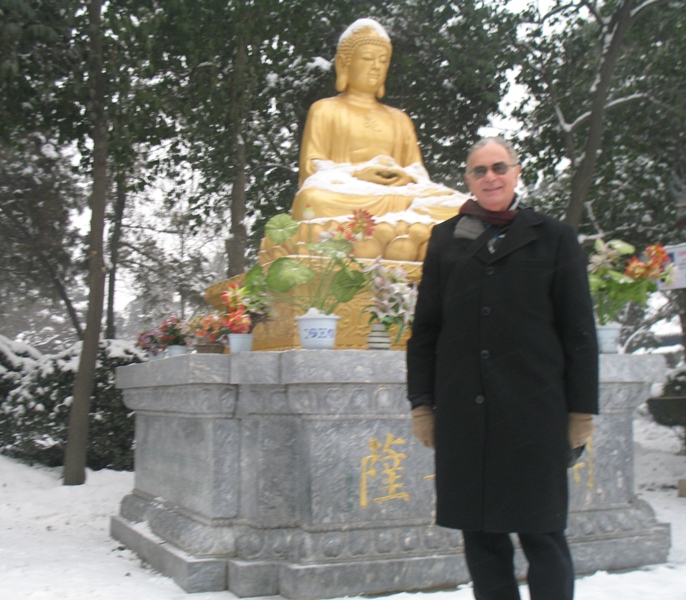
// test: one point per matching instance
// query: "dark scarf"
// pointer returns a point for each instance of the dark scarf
(499, 218)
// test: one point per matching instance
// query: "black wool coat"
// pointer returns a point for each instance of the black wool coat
(503, 344)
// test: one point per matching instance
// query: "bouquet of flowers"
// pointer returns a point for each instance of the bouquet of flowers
(150, 340)
(174, 332)
(616, 281)
(209, 328)
(393, 297)
(252, 299)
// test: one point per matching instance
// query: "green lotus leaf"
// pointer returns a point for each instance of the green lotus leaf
(285, 273)
(333, 248)
(346, 284)
(255, 279)
(281, 228)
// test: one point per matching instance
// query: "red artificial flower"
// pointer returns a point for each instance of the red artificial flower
(362, 223)
(238, 321)
(652, 268)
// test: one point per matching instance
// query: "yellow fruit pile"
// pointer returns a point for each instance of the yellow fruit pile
(401, 241)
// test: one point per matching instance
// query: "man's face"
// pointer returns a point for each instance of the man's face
(368, 67)
(492, 191)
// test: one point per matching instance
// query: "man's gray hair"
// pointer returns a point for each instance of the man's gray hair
(494, 140)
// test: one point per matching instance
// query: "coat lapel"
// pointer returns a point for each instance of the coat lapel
(521, 232)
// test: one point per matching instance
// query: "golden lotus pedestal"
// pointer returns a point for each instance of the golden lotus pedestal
(281, 331)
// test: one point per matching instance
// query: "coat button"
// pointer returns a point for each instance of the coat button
(485, 311)
(485, 354)
(479, 399)
(490, 270)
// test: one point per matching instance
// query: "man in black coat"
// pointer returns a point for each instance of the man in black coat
(502, 371)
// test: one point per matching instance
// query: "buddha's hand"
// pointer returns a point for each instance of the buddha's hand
(391, 176)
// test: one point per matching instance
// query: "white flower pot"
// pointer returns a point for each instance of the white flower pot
(317, 330)
(608, 337)
(240, 342)
(176, 350)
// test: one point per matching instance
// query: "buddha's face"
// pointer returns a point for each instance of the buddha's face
(368, 67)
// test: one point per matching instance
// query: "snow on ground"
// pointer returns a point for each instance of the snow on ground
(54, 541)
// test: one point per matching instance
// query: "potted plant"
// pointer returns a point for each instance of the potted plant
(174, 336)
(150, 340)
(208, 332)
(329, 275)
(239, 326)
(252, 297)
(616, 280)
(246, 306)
(393, 303)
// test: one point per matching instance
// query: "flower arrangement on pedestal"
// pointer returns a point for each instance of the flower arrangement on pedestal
(174, 332)
(393, 297)
(615, 281)
(207, 328)
(251, 300)
(238, 321)
(339, 277)
(150, 340)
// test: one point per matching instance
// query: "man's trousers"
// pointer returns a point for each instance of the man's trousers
(490, 559)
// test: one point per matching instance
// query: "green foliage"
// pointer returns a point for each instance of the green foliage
(280, 228)
(41, 245)
(34, 409)
(328, 276)
(449, 73)
(643, 137)
(285, 273)
(37, 56)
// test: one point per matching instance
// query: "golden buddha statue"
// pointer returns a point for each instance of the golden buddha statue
(358, 153)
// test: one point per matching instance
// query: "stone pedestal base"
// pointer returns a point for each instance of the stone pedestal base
(295, 474)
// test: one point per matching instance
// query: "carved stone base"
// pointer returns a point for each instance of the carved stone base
(295, 474)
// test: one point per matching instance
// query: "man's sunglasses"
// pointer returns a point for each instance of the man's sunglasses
(499, 168)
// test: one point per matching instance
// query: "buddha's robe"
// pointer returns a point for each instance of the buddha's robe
(341, 138)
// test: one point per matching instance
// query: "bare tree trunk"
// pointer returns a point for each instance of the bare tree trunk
(235, 244)
(110, 328)
(62, 291)
(583, 173)
(77, 434)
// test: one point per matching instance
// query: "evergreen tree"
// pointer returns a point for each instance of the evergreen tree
(602, 78)
(41, 250)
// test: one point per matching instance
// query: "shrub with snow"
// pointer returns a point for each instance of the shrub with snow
(36, 395)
